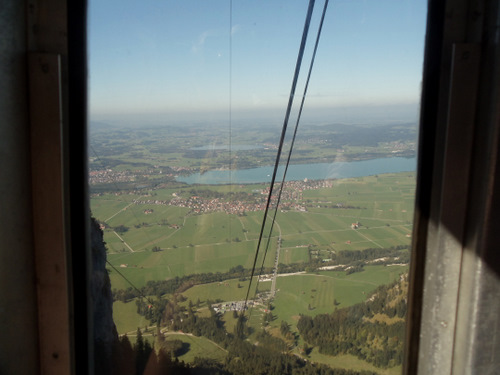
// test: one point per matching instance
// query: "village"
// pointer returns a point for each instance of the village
(291, 195)
(109, 176)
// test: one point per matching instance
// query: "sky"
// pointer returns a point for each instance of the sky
(182, 60)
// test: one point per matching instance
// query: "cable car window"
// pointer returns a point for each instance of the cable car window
(252, 173)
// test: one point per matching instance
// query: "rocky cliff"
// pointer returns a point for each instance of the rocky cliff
(105, 334)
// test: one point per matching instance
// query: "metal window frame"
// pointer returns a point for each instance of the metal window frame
(455, 275)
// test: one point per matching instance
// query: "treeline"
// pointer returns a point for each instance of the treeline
(352, 259)
(393, 254)
(181, 284)
(349, 330)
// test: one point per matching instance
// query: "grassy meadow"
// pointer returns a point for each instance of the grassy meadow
(216, 241)
(198, 347)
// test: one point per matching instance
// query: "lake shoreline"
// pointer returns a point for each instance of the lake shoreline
(296, 172)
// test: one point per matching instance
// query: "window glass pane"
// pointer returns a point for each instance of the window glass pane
(187, 104)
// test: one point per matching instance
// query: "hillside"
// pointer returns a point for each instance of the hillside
(372, 331)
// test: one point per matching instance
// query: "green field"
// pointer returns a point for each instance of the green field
(126, 318)
(225, 291)
(313, 294)
(198, 347)
(143, 266)
(215, 242)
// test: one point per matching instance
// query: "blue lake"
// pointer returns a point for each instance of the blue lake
(317, 171)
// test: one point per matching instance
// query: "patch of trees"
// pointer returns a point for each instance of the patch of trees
(267, 318)
(285, 329)
(121, 229)
(352, 260)
(347, 330)
(293, 267)
(142, 352)
(175, 347)
(151, 310)
(269, 342)
(351, 256)
(205, 193)
(358, 267)
(140, 225)
(180, 284)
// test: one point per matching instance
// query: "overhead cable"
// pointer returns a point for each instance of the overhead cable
(131, 284)
(295, 132)
(282, 138)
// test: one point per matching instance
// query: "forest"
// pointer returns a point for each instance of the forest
(353, 330)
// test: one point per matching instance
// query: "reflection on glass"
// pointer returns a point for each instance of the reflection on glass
(187, 101)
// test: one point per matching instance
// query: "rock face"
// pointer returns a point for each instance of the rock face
(105, 334)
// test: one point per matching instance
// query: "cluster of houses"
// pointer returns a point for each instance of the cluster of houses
(107, 176)
(231, 306)
(290, 195)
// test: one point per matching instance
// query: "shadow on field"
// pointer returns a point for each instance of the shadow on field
(183, 349)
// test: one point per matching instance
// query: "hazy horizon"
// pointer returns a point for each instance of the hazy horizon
(359, 115)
